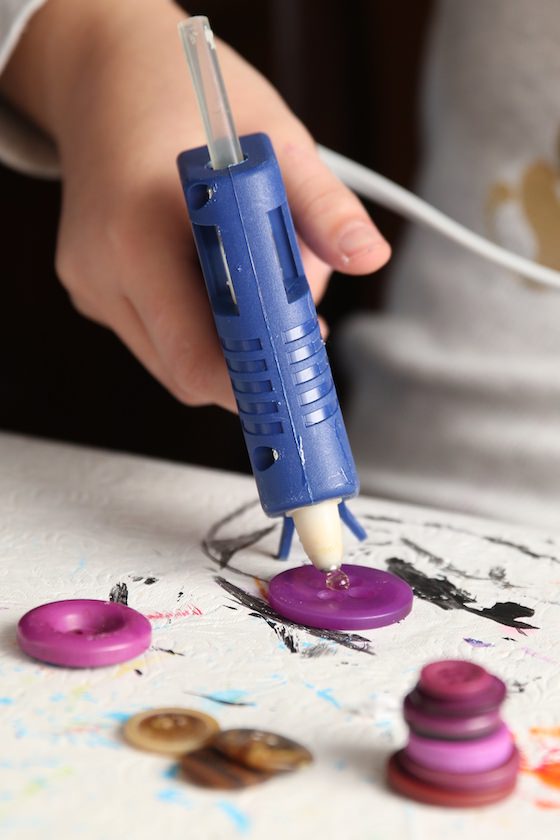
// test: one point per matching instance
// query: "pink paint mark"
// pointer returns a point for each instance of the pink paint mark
(547, 805)
(535, 655)
(176, 613)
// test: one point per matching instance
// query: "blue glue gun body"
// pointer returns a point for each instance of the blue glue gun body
(267, 326)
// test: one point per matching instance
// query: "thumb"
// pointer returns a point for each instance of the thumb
(327, 215)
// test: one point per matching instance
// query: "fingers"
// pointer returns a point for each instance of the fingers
(316, 271)
(329, 217)
(169, 296)
(120, 316)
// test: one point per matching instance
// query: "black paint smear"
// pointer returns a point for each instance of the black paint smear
(260, 609)
(318, 650)
(282, 632)
(180, 595)
(119, 594)
(496, 574)
(168, 650)
(442, 564)
(444, 594)
(221, 550)
(150, 580)
(219, 700)
(523, 549)
(136, 578)
(440, 526)
(138, 671)
(508, 639)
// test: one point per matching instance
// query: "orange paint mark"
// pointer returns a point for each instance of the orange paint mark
(262, 588)
(547, 805)
(548, 772)
(176, 614)
(549, 731)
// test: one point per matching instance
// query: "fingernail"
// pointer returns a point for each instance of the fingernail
(357, 239)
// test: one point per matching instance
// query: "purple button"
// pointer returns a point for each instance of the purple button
(84, 633)
(502, 776)
(452, 728)
(473, 756)
(453, 679)
(373, 599)
(486, 700)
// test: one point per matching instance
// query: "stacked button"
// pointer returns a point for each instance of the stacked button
(459, 752)
(224, 760)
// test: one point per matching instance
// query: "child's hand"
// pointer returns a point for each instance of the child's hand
(109, 82)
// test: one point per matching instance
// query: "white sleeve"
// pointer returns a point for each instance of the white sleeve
(22, 145)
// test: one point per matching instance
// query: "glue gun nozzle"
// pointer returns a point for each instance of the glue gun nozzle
(319, 528)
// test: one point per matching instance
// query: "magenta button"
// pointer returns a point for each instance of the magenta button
(84, 633)
(373, 599)
(453, 679)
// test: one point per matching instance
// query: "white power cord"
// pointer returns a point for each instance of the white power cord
(371, 185)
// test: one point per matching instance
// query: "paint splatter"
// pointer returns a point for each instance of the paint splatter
(119, 594)
(318, 650)
(282, 626)
(548, 771)
(239, 819)
(176, 613)
(477, 643)
(168, 650)
(173, 796)
(496, 574)
(224, 698)
(221, 550)
(445, 595)
(440, 526)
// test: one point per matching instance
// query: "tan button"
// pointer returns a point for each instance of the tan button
(170, 731)
(209, 768)
(261, 750)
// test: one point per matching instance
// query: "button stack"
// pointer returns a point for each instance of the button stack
(459, 752)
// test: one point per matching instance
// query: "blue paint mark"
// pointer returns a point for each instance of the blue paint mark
(239, 819)
(6, 701)
(477, 643)
(20, 730)
(81, 565)
(326, 694)
(173, 796)
(57, 697)
(172, 772)
(231, 695)
(120, 717)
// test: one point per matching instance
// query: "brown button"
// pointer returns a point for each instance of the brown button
(209, 768)
(170, 731)
(261, 750)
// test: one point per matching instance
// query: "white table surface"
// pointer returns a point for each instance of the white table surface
(76, 522)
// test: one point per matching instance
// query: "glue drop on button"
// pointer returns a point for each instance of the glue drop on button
(337, 580)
